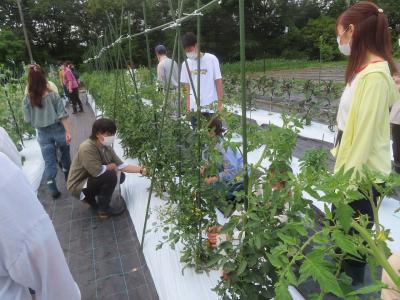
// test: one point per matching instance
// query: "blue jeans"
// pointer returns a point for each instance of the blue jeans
(50, 138)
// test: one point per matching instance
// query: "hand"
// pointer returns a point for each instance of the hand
(212, 233)
(112, 167)
(211, 180)
(68, 137)
(143, 171)
(202, 171)
(219, 107)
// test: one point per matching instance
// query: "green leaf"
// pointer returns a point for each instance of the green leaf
(344, 213)
(282, 292)
(242, 267)
(376, 287)
(257, 242)
(287, 239)
(275, 261)
(345, 243)
(316, 267)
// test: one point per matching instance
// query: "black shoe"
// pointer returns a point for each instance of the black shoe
(91, 202)
(55, 193)
(105, 210)
(110, 212)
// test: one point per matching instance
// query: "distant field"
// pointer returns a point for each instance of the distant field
(256, 66)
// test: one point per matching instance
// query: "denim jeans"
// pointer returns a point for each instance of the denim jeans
(50, 139)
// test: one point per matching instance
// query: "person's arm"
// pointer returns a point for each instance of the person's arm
(133, 169)
(186, 86)
(218, 82)
(220, 93)
(65, 122)
(26, 110)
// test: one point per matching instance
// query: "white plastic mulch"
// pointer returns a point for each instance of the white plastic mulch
(164, 264)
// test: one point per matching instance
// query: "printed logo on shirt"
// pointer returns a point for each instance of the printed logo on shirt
(202, 72)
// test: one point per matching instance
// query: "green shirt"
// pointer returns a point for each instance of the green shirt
(88, 162)
(366, 136)
(51, 112)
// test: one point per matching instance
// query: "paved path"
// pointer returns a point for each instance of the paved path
(104, 256)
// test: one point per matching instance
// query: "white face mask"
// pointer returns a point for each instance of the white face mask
(344, 49)
(108, 140)
(192, 55)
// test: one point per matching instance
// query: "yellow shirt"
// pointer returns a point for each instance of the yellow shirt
(366, 136)
(61, 76)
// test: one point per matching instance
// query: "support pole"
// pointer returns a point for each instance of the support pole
(147, 41)
(243, 97)
(28, 46)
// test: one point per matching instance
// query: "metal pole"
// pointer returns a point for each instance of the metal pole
(243, 97)
(28, 46)
(147, 41)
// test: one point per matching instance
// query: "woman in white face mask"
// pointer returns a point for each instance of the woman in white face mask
(94, 169)
(363, 118)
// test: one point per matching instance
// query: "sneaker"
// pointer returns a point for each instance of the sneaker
(52, 185)
(110, 212)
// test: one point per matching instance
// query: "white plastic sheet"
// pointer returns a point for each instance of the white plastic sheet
(8, 148)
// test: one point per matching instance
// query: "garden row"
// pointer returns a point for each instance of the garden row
(308, 99)
(278, 240)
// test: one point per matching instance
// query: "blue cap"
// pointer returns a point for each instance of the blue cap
(161, 49)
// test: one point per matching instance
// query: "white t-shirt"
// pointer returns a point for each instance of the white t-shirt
(209, 72)
(8, 148)
(345, 104)
(30, 253)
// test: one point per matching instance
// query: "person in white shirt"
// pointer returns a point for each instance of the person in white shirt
(30, 253)
(211, 90)
(8, 147)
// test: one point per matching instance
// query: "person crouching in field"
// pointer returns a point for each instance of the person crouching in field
(229, 176)
(93, 174)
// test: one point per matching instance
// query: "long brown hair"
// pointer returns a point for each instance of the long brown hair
(37, 85)
(371, 33)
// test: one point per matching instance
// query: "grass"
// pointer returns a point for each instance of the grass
(257, 66)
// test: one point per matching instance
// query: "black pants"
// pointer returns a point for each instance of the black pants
(396, 146)
(104, 185)
(361, 207)
(74, 97)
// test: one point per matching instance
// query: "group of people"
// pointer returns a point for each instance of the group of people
(69, 80)
(369, 106)
(30, 254)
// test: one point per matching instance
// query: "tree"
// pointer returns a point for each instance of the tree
(11, 47)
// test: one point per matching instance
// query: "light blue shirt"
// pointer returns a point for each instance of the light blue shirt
(232, 163)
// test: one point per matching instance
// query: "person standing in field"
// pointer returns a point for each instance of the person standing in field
(363, 116)
(72, 88)
(165, 64)
(45, 111)
(211, 90)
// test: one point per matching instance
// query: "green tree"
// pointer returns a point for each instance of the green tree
(11, 47)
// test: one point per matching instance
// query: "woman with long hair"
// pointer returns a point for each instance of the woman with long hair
(44, 109)
(363, 116)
